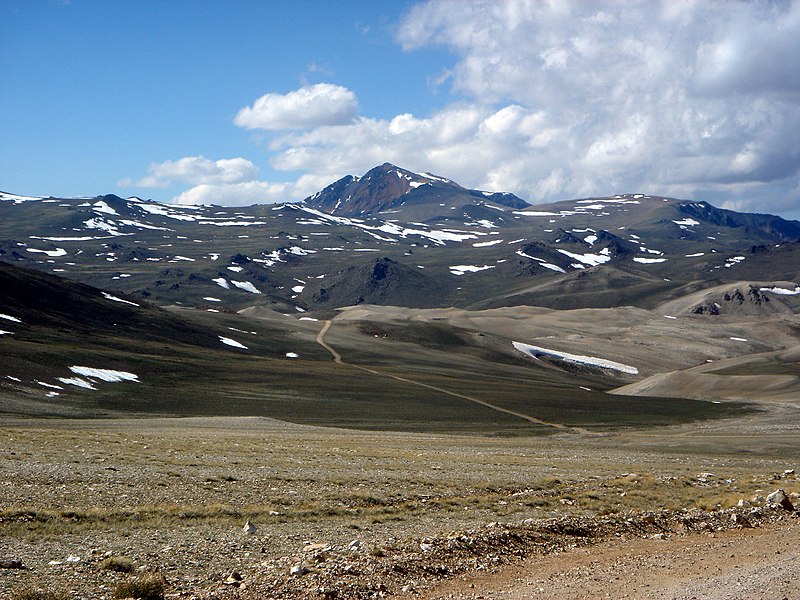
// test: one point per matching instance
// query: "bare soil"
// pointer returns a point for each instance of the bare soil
(736, 564)
(373, 514)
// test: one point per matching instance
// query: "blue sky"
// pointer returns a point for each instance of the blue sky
(239, 102)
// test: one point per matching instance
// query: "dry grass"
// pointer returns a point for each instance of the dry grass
(150, 586)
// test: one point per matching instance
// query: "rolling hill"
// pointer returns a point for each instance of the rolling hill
(448, 308)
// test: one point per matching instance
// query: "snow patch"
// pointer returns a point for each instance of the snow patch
(108, 375)
(462, 269)
(52, 253)
(782, 291)
(246, 286)
(77, 382)
(102, 207)
(587, 259)
(108, 296)
(575, 358)
(486, 244)
(648, 261)
(233, 343)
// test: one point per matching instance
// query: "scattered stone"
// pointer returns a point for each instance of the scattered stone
(350, 570)
(234, 579)
(11, 564)
(742, 503)
(658, 536)
(249, 528)
(73, 559)
(789, 472)
(649, 519)
(740, 520)
(779, 498)
(316, 548)
(299, 570)
(354, 546)
(425, 547)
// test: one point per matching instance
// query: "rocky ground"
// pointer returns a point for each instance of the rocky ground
(88, 506)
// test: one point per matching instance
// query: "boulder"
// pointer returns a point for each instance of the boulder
(779, 498)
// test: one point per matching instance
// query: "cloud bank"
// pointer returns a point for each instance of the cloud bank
(556, 100)
(196, 170)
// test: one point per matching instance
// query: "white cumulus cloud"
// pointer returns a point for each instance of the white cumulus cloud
(235, 194)
(308, 107)
(557, 100)
(691, 98)
(196, 170)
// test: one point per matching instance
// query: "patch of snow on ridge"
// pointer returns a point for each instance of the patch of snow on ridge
(164, 211)
(542, 262)
(687, 223)
(575, 358)
(776, 290)
(77, 382)
(587, 259)
(107, 375)
(102, 207)
(18, 199)
(52, 253)
(648, 261)
(734, 260)
(222, 282)
(108, 296)
(536, 213)
(233, 343)
(10, 318)
(462, 269)
(485, 244)
(246, 286)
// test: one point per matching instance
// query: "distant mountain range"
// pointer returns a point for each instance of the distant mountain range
(395, 237)
(119, 306)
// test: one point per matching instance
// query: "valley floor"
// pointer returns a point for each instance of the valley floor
(369, 514)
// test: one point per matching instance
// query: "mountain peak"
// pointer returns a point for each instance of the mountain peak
(389, 188)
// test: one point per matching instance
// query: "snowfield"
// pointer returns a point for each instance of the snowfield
(592, 361)
(776, 290)
(230, 342)
(462, 269)
(107, 375)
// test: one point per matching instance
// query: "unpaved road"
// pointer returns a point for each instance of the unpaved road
(742, 564)
(337, 358)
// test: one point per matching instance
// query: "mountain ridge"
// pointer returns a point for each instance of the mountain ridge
(388, 188)
(472, 252)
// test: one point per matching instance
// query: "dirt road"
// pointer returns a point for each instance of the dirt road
(337, 358)
(761, 563)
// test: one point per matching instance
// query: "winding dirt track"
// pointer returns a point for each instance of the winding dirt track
(337, 358)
